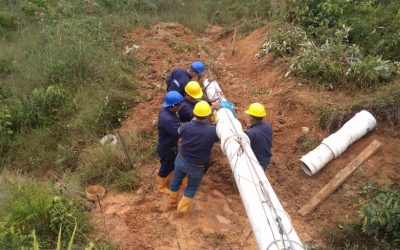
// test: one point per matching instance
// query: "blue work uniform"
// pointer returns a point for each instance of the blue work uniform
(197, 140)
(260, 135)
(178, 80)
(186, 111)
(168, 124)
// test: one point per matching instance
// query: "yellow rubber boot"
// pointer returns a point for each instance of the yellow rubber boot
(185, 204)
(162, 185)
(173, 198)
(169, 178)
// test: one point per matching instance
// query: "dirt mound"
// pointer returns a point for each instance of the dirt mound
(140, 220)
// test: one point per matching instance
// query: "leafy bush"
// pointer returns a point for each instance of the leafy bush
(379, 225)
(284, 42)
(370, 72)
(7, 20)
(27, 205)
(380, 214)
(376, 35)
(112, 111)
(320, 64)
(334, 64)
(39, 109)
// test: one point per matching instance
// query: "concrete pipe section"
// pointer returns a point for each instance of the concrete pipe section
(270, 223)
(334, 145)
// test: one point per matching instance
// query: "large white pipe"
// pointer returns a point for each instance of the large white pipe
(270, 223)
(334, 145)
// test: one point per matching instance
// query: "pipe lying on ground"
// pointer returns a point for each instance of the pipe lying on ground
(334, 145)
(270, 223)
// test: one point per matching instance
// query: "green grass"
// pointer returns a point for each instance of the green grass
(307, 143)
(27, 206)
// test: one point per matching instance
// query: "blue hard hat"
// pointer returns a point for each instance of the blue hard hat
(198, 67)
(172, 98)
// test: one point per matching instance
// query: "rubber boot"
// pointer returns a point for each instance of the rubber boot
(169, 178)
(162, 186)
(185, 204)
(172, 199)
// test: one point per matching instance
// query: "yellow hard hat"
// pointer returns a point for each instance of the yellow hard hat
(193, 89)
(202, 109)
(256, 109)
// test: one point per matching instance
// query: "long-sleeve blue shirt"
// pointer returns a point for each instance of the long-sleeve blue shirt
(197, 140)
(186, 111)
(168, 124)
(178, 80)
(260, 135)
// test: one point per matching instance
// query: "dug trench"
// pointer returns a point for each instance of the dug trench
(141, 220)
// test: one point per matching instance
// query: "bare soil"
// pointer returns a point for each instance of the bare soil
(141, 219)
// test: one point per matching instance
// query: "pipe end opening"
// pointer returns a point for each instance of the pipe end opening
(306, 169)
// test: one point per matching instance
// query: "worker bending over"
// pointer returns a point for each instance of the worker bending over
(168, 124)
(260, 134)
(193, 93)
(180, 77)
(197, 140)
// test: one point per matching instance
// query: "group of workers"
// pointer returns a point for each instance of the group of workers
(186, 137)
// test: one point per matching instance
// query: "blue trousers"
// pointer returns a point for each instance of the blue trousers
(194, 173)
(167, 158)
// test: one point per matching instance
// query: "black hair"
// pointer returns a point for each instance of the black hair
(258, 119)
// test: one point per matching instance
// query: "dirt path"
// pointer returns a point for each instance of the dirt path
(140, 220)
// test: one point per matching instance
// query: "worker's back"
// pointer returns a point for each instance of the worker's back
(260, 135)
(178, 80)
(197, 139)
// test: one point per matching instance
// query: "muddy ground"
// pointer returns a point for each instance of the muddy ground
(141, 220)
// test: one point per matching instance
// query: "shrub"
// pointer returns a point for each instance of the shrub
(27, 205)
(39, 109)
(7, 20)
(379, 225)
(370, 72)
(380, 214)
(284, 42)
(334, 64)
(376, 35)
(320, 64)
(110, 114)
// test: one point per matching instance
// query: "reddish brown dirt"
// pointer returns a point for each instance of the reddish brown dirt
(140, 220)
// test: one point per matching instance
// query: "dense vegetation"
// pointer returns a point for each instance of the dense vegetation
(64, 83)
(331, 45)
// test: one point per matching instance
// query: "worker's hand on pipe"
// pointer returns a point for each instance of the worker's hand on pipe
(215, 105)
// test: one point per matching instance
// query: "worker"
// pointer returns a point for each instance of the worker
(197, 139)
(180, 76)
(168, 124)
(193, 93)
(260, 134)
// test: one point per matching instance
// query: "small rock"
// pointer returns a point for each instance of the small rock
(305, 130)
